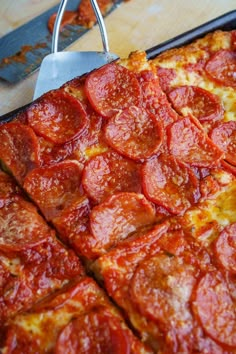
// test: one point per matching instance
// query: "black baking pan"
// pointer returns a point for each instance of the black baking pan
(226, 22)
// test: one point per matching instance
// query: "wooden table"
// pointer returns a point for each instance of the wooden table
(136, 24)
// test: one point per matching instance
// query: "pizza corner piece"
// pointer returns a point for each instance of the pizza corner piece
(118, 209)
(33, 262)
(75, 319)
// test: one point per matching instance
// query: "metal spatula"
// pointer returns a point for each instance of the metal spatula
(59, 67)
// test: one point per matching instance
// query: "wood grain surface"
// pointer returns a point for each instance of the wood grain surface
(135, 24)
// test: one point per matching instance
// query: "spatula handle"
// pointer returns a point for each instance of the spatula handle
(100, 21)
(57, 24)
(101, 25)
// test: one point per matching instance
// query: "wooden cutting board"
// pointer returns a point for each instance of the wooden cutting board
(136, 24)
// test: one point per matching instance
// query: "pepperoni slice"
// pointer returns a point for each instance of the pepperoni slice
(228, 167)
(161, 287)
(51, 265)
(166, 76)
(77, 149)
(170, 183)
(188, 142)
(72, 223)
(224, 136)
(225, 248)
(51, 153)
(8, 186)
(233, 39)
(221, 67)
(8, 189)
(21, 227)
(119, 216)
(17, 340)
(151, 90)
(57, 116)
(209, 186)
(112, 88)
(154, 99)
(96, 332)
(3, 274)
(67, 297)
(215, 308)
(134, 133)
(109, 173)
(19, 149)
(202, 104)
(53, 188)
(205, 344)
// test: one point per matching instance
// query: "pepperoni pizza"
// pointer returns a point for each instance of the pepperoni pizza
(118, 209)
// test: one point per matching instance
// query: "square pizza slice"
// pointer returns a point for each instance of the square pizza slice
(176, 282)
(33, 262)
(78, 318)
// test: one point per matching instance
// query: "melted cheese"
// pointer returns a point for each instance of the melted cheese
(226, 94)
(178, 58)
(207, 219)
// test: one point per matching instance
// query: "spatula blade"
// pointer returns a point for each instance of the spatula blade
(58, 68)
